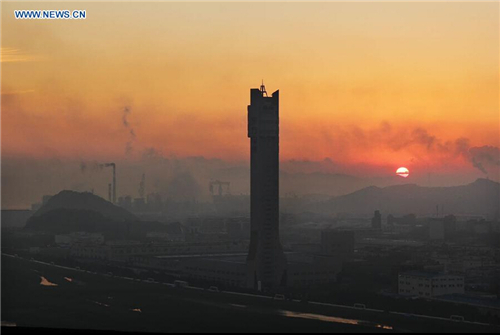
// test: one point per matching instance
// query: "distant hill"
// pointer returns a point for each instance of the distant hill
(481, 197)
(88, 202)
(332, 184)
(70, 211)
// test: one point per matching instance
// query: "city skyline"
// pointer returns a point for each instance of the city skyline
(250, 167)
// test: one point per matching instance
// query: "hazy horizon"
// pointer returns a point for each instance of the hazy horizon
(25, 181)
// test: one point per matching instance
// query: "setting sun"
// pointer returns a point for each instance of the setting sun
(403, 172)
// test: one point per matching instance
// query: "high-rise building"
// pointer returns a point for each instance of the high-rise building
(266, 261)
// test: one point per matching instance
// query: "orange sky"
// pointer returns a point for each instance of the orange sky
(375, 83)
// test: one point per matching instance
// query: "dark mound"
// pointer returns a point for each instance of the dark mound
(71, 211)
(86, 202)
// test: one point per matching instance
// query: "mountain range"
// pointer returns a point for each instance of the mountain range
(481, 197)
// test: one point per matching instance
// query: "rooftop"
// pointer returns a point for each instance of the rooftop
(427, 274)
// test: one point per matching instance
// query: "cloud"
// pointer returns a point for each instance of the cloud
(151, 154)
(307, 166)
(484, 157)
(17, 92)
(90, 167)
(14, 55)
(417, 145)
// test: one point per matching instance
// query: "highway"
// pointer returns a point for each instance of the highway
(257, 304)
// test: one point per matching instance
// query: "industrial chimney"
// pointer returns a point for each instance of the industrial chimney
(113, 165)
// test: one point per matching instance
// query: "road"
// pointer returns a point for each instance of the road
(191, 308)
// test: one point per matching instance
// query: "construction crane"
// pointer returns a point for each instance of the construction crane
(220, 185)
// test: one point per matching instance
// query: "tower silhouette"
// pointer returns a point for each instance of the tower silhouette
(266, 260)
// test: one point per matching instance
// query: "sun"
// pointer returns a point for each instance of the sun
(403, 172)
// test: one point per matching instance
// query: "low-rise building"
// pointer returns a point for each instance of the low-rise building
(126, 251)
(67, 240)
(429, 285)
(303, 271)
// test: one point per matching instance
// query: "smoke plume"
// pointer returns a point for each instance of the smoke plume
(484, 157)
(129, 145)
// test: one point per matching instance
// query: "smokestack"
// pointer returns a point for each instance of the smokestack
(114, 183)
(113, 165)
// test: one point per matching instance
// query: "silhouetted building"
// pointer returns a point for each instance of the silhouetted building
(442, 228)
(409, 220)
(377, 220)
(450, 225)
(266, 261)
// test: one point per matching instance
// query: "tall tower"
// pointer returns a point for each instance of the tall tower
(266, 261)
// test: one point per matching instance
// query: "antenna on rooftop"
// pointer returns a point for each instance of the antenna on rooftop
(263, 89)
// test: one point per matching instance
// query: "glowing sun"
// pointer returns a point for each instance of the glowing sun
(403, 172)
